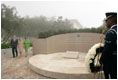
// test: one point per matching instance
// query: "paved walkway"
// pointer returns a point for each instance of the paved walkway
(17, 68)
(8, 52)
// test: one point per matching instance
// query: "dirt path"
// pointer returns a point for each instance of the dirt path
(17, 68)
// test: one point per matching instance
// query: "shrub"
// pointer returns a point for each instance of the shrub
(5, 45)
(49, 33)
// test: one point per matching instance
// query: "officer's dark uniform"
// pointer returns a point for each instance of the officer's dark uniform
(109, 54)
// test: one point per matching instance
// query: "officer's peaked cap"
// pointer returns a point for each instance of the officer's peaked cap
(111, 14)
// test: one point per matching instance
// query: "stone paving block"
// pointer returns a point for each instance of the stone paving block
(71, 54)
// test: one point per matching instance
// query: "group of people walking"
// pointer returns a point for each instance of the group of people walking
(20, 45)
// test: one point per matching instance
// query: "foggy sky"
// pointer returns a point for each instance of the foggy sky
(88, 13)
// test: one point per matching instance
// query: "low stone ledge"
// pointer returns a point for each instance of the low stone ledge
(55, 66)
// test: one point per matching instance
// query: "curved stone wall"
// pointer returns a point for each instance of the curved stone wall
(80, 42)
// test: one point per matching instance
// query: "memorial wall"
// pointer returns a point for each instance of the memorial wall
(80, 42)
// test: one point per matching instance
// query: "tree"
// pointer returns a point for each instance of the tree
(9, 21)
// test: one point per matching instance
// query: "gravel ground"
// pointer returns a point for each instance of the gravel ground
(17, 68)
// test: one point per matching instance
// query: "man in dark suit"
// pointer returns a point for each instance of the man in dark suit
(109, 54)
(13, 44)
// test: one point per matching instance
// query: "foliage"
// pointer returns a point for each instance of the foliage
(5, 45)
(35, 25)
(10, 21)
(29, 26)
(40, 26)
(49, 33)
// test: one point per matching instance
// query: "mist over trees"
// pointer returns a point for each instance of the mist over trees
(10, 22)
(33, 26)
(40, 26)
(27, 26)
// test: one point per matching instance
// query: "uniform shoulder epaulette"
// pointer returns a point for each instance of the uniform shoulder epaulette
(112, 31)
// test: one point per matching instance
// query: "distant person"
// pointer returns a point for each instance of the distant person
(20, 46)
(26, 45)
(13, 44)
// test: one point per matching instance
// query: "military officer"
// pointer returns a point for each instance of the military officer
(109, 54)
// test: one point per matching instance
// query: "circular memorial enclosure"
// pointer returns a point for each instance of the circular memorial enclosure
(58, 65)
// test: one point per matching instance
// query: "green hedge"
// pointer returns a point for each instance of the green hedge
(86, 30)
(5, 45)
(51, 33)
